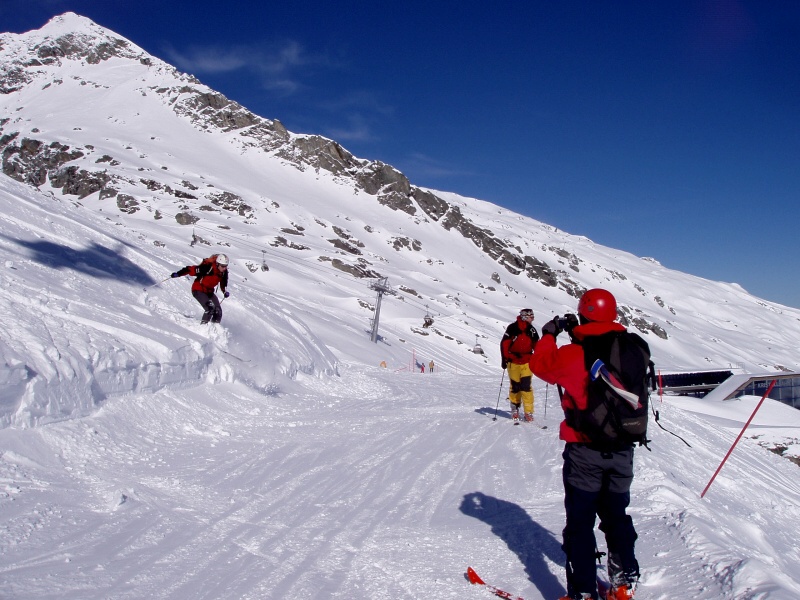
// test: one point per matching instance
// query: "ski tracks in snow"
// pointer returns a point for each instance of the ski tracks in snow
(371, 485)
(354, 490)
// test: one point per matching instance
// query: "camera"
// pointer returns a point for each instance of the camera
(567, 322)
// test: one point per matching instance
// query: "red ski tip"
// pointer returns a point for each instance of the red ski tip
(473, 576)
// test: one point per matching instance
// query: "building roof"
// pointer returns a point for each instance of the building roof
(735, 383)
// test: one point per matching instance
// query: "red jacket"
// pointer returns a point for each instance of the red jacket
(518, 341)
(564, 366)
(208, 275)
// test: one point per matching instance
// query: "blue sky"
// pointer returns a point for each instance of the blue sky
(670, 129)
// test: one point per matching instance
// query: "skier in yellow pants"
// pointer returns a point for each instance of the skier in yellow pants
(516, 348)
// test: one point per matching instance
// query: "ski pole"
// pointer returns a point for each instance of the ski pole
(157, 283)
(546, 390)
(502, 378)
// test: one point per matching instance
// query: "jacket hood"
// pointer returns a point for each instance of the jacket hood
(595, 328)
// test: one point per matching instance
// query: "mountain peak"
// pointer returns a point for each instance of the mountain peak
(69, 22)
(65, 37)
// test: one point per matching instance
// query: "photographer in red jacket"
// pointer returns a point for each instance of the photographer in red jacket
(597, 478)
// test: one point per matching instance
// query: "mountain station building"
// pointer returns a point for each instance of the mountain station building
(727, 385)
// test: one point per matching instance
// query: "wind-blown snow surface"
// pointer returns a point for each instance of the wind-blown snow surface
(270, 457)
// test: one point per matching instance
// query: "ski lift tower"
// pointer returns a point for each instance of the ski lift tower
(381, 287)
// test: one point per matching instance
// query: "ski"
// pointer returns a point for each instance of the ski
(517, 421)
(602, 588)
(476, 580)
(231, 354)
(244, 360)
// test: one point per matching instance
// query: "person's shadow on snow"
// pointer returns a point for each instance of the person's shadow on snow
(95, 260)
(524, 537)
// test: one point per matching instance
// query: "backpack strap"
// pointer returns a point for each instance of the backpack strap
(599, 371)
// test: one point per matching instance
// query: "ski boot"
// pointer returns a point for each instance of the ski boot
(621, 592)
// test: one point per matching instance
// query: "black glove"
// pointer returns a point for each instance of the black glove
(572, 322)
(504, 362)
(226, 294)
(175, 274)
(551, 327)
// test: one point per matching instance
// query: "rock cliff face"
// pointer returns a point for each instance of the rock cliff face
(41, 59)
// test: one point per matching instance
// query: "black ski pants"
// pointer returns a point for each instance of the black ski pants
(211, 305)
(597, 484)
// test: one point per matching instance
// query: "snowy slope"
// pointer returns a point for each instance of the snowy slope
(371, 485)
(172, 162)
(143, 455)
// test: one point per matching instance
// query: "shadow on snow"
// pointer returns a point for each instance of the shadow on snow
(531, 542)
(96, 261)
(493, 412)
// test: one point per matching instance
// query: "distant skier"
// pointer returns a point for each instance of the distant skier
(516, 348)
(430, 367)
(210, 273)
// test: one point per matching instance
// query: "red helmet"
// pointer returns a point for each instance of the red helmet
(598, 305)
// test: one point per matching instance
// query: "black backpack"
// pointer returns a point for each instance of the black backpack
(619, 369)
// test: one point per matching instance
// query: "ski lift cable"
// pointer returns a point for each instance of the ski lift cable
(440, 318)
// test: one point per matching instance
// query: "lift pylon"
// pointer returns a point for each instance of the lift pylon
(381, 287)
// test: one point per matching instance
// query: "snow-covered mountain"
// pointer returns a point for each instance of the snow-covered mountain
(145, 455)
(88, 115)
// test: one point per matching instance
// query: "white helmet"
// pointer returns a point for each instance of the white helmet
(222, 259)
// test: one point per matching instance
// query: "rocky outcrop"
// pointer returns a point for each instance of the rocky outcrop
(93, 45)
(75, 181)
(80, 47)
(233, 203)
(319, 153)
(210, 109)
(634, 317)
(399, 243)
(431, 204)
(37, 161)
(360, 270)
(31, 161)
(127, 204)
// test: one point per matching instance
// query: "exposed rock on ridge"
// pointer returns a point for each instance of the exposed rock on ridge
(36, 161)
